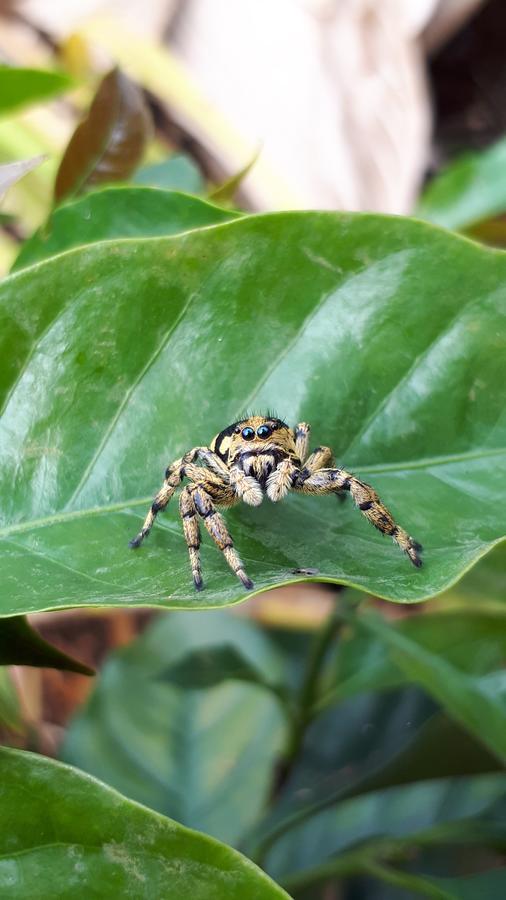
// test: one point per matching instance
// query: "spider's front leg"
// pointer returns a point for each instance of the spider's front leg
(301, 434)
(327, 481)
(297, 467)
(217, 528)
(281, 480)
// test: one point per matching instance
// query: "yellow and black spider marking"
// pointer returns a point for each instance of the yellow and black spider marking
(257, 457)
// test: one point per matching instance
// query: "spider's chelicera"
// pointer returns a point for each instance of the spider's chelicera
(250, 459)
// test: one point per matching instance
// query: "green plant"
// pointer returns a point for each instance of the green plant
(136, 323)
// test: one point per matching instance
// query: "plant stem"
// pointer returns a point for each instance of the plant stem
(305, 701)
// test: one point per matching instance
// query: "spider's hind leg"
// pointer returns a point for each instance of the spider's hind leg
(326, 481)
(216, 526)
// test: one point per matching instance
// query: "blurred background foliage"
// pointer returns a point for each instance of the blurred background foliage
(353, 748)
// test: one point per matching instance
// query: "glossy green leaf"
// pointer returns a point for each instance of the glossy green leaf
(472, 641)
(66, 835)
(20, 645)
(205, 758)
(109, 143)
(118, 212)
(386, 334)
(177, 173)
(469, 190)
(19, 87)
(478, 703)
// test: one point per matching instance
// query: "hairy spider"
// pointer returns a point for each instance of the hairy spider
(257, 456)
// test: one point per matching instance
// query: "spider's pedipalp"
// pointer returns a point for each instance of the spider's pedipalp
(280, 481)
(326, 481)
(216, 526)
(246, 487)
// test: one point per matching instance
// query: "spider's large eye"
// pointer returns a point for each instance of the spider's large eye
(264, 431)
(248, 434)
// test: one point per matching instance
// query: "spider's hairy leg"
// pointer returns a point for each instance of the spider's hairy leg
(216, 526)
(191, 534)
(211, 459)
(301, 434)
(320, 458)
(326, 481)
(282, 478)
(246, 487)
(174, 475)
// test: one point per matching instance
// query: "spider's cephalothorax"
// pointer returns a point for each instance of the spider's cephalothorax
(257, 457)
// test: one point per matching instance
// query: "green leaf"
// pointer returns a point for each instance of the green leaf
(205, 758)
(118, 212)
(485, 584)
(478, 703)
(370, 860)
(469, 190)
(20, 645)
(386, 334)
(177, 173)
(109, 143)
(472, 641)
(19, 87)
(225, 193)
(482, 886)
(390, 740)
(393, 823)
(210, 666)
(12, 172)
(66, 835)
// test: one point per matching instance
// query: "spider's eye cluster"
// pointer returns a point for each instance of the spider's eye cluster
(264, 431)
(248, 434)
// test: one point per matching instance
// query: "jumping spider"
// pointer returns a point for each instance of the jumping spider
(257, 456)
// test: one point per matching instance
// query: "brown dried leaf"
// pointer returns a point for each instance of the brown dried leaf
(109, 143)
